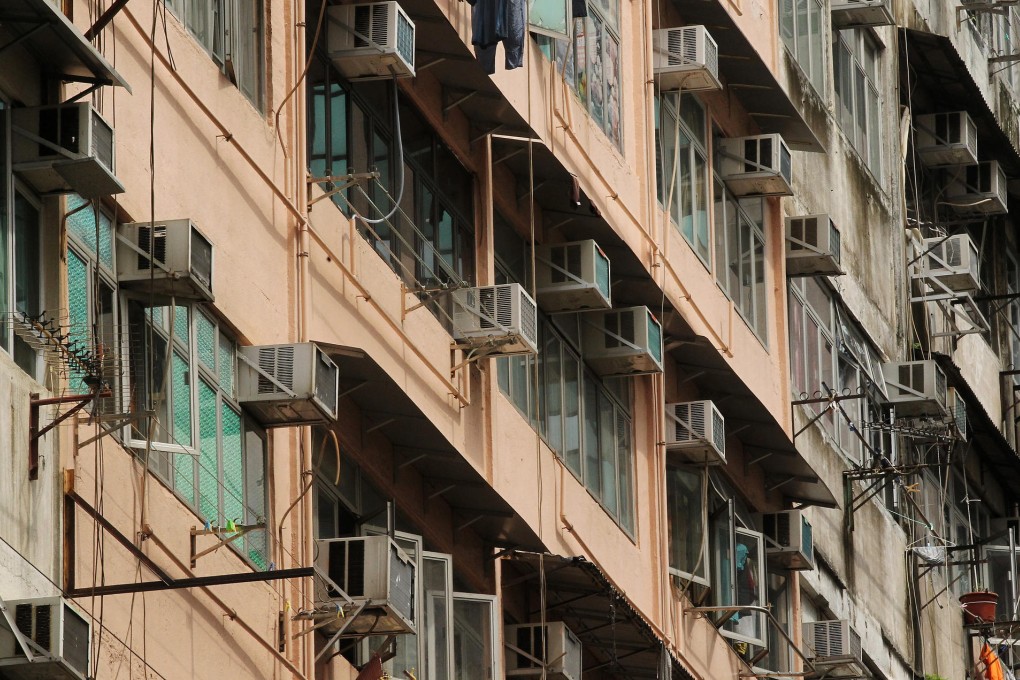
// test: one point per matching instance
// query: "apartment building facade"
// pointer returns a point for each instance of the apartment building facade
(663, 340)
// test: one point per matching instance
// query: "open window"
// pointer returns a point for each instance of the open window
(686, 491)
(476, 654)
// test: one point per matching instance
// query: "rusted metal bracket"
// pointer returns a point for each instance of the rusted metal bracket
(238, 531)
(80, 401)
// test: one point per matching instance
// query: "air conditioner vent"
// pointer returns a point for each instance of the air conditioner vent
(696, 432)
(62, 635)
(685, 58)
(503, 319)
(165, 259)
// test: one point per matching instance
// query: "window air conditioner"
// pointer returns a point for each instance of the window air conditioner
(65, 148)
(294, 384)
(502, 317)
(943, 139)
(62, 637)
(572, 277)
(622, 341)
(686, 58)
(371, 40)
(696, 431)
(788, 539)
(561, 652)
(957, 413)
(978, 189)
(954, 261)
(916, 388)
(812, 246)
(834, 648)
(171, 258)
(856, 13)
(757, 166)
(372, 570)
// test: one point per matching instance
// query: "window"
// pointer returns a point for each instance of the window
(91, 287)
(231, 31)
(430, 240)
(475, 622)
(1013, 313)
(584, 420)
(855, 65)
(686, 492)
(802, 26)
(591, 64)
(828, 353)
(202, 445)
(740, 255)
(682, 168)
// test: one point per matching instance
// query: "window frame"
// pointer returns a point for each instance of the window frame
(742, 276)
(859, 53)
(791, 16)
(670, 108)
(495, 631)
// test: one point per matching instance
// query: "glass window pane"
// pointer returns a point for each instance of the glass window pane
(473, 639)
(205, 340)
(255, 494)
(596, 74)
(686, 518)
(77, 311)
(552, 379)
(607, 455)
(181, 316)
(233, 466)
(548, 16)
(591, 434)
(438, 614)
(572, 413)
(180, 396)
(208, 459)
(624, 463)
(225, 364)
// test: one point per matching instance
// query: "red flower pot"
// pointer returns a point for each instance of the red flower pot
(978, 607)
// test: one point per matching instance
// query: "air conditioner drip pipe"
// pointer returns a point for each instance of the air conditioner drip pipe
(400, 162)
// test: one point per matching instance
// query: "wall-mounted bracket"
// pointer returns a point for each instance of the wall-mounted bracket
(35, 433)
(237, 531)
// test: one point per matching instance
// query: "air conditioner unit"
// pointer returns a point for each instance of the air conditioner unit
(556, 645)
(293, 384)
(370, 570)
(65, 148)
(943, 139)
(756, 166)
(788, 539)
(978, 189)
(371, 40)
(954, 261)
(503, 318)
(696, 431)
(856, 13)
(62, 640)
(169, 258)
(624, 341)
(834, 648)
(957, 413)
(916, 388)
(572, 277)
(812, 246)
(685, 58)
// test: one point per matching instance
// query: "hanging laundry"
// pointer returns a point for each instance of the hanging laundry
(495, 21)
(993, 668)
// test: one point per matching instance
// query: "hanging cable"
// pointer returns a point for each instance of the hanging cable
(400, 162)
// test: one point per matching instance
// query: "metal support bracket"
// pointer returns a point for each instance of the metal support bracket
(35, 433)
(238, 531)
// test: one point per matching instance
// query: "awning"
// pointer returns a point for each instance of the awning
(617, 641)
(763, 436)
(746, 75)
(62, 51)
(417, 441)
(940, 81)
(983, 434)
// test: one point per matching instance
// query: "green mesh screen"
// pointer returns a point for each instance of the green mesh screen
(180, 398)
(226, 365)
(77, 312)
(83, 225)
(233, 466)
(205, 333)
(184, 476)
(181, 325)
(208, 459)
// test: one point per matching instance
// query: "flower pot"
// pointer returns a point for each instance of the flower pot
(978, 607)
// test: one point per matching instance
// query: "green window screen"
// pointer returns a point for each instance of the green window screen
(226, 365)
(77, 311)
(181, 326)
(233, 466)
(208, 459)
(254, 495)
(548, 17)
(181, 399)
(184, 476)
(83, 225)
(206, 340)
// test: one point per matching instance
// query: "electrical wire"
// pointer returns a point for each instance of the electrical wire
(400, 162)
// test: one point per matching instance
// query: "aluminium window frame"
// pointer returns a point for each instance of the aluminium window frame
(669, 109)
(495, 630)
(860, 52)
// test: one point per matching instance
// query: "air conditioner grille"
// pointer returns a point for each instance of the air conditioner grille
(529, 319)
(682, 46)
(23, 616)
(152, 243)
(201, 258)
(834, 243)
(102, 141)
(405, 38)
(43, 616)
(654, 338)
(279, 363)
(531, 639)
(602, 273)
(347, 568)
(718, 430)
(77, 639)
(325, 381)
(781, 535)
(401, 583)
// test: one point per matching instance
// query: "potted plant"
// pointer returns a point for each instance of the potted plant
(979, 607)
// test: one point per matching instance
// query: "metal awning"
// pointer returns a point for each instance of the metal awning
(54, 42)
(617, 641)
(746, 75)
(941, 81)
(385, 407)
